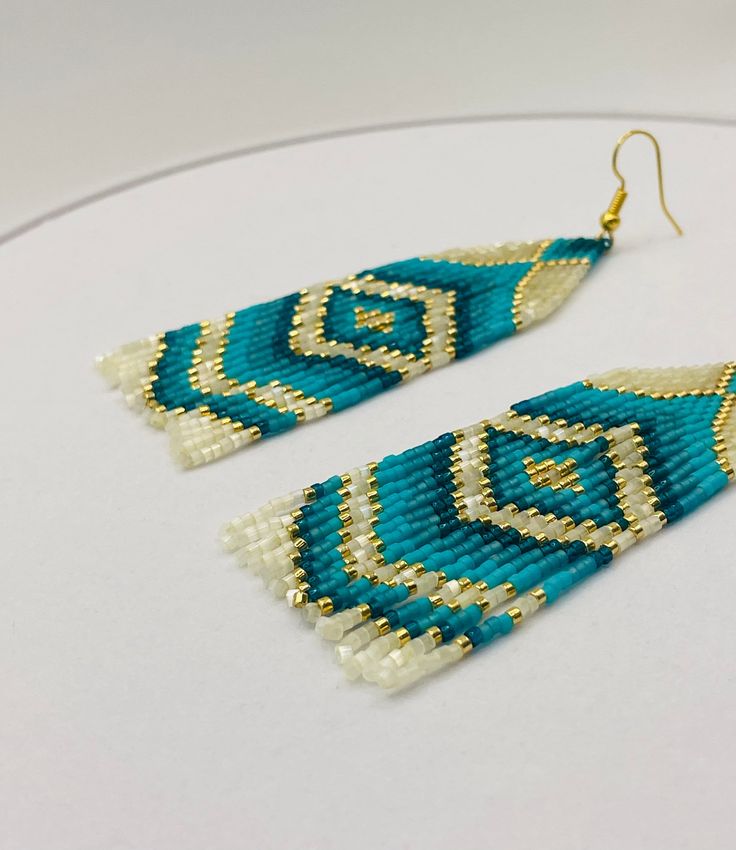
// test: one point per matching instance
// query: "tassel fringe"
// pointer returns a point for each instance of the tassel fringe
(410, 564)
(221, 384)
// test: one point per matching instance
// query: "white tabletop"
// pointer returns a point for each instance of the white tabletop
(155, 697)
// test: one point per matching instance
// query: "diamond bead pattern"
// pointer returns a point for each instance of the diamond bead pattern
(410, 563)
(219, 385)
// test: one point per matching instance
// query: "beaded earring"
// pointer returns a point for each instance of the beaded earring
(219, 385)
(410, 563)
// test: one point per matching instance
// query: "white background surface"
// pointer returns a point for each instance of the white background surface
(93, 93)
(155, 697)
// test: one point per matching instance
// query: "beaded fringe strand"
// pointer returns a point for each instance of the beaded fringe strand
(412, 563)
(219, 385)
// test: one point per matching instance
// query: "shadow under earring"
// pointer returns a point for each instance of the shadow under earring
(221, 384)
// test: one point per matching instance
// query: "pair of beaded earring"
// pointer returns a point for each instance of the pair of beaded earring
(410, 563)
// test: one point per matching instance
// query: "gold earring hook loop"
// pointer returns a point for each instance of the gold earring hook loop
(610, 220)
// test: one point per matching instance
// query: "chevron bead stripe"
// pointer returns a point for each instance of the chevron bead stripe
(219, 385)
(410, 564)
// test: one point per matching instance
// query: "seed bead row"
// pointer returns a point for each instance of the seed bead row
(220, 385)
(410, 564)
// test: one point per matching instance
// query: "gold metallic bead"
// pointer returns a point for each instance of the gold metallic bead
(403, 635)
(539, 594)
(509, 589)
(465, 583)
(365, 611)
(325, 606)
(464, 643)
(300, 599)
(383, 626)
(310, 495)
(441, 578)
(515, 615)
(610, 221)
(454, 606)
(351, 572)
(300, 574)
(435, 633)
(411, 585)
(614, 547)
(483, 604)
(436, 600)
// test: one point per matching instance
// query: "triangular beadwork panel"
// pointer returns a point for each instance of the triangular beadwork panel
(221, 384)
(413, 562)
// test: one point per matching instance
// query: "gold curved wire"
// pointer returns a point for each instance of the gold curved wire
(660, 179)
(610, 219)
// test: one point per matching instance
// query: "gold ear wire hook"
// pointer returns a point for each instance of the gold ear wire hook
(611, 219)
